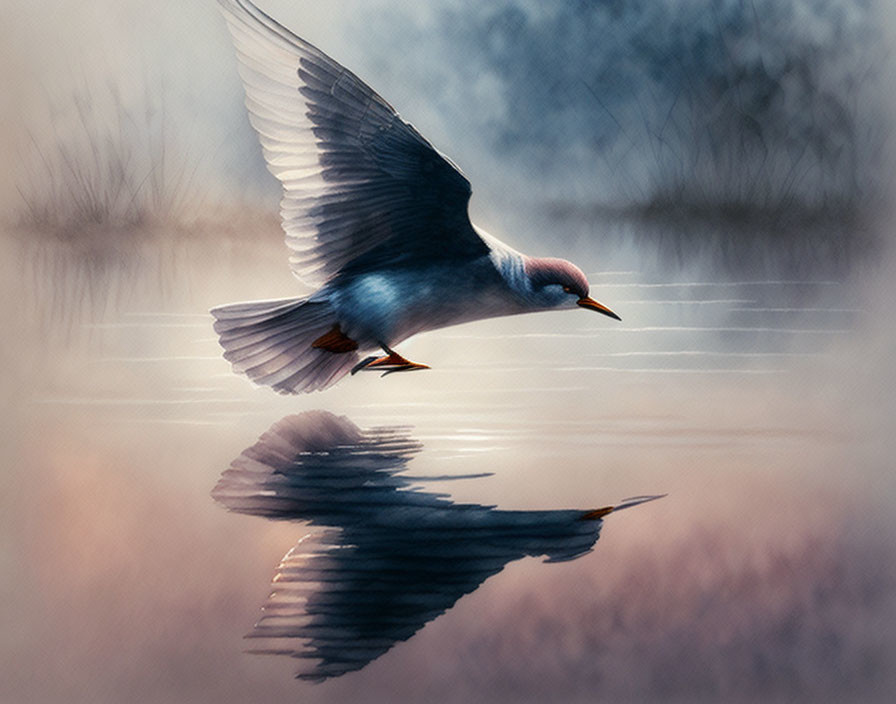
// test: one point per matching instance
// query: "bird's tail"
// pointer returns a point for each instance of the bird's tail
(278, 343)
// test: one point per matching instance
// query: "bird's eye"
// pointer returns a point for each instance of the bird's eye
(567, 289)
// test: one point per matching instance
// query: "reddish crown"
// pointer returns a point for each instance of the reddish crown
(543, 271)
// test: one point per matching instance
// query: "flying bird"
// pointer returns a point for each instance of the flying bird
(376, 219)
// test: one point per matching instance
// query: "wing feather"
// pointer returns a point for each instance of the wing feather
(361, 187)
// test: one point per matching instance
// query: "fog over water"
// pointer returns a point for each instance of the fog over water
(750, 379)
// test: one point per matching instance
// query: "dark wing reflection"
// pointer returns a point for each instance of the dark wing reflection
(392, 558)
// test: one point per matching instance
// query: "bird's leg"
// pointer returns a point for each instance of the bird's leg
(392, 362)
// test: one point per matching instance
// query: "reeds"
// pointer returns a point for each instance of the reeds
(102, 165)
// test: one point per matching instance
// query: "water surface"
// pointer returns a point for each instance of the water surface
(754, 402)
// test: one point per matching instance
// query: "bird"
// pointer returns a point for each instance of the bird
(376, 220)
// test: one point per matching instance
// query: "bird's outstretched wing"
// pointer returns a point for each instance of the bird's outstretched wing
(362, 188)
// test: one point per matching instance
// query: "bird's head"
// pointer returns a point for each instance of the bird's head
(557, 283)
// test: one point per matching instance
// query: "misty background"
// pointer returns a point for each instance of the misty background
(763, 119)
(721, 170)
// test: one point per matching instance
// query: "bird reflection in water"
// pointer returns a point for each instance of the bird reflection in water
(387, 557)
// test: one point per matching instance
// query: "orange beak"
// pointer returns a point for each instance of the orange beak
(591, 304)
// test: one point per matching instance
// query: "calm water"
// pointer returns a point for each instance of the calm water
(758, 404)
